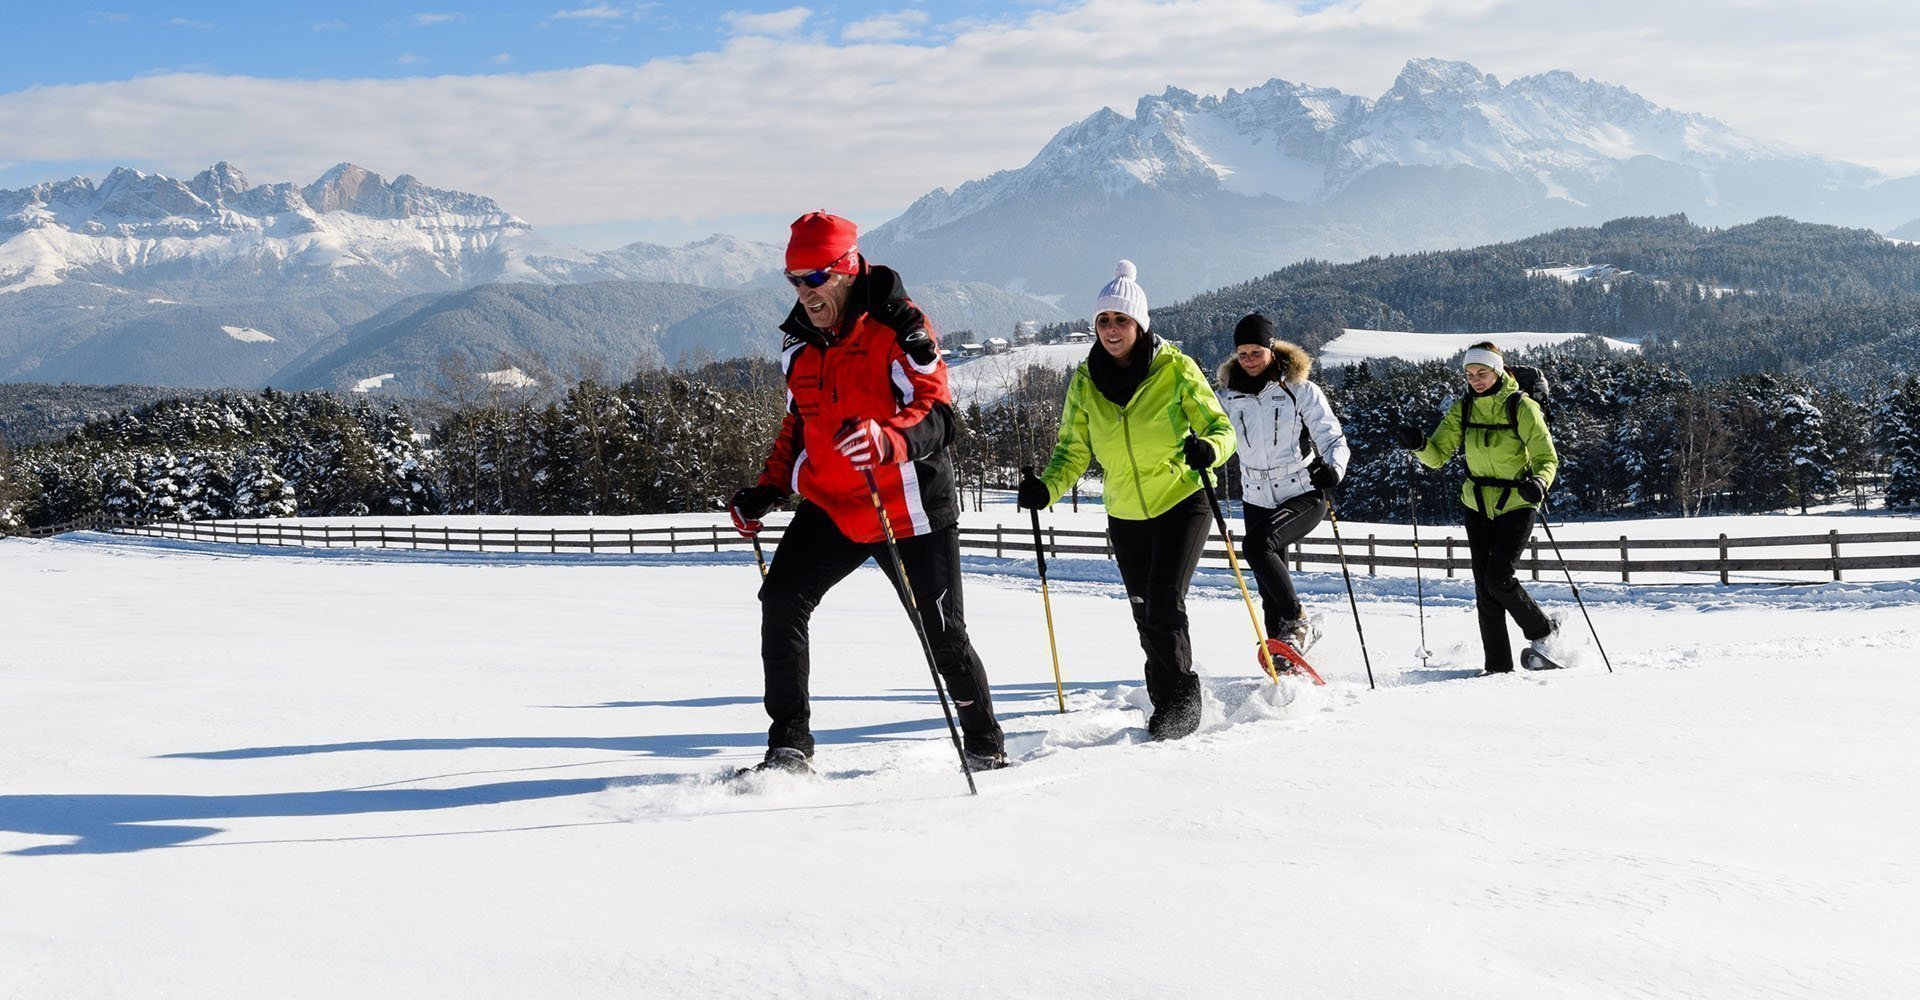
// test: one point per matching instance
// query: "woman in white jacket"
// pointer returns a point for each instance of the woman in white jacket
(1292, 451)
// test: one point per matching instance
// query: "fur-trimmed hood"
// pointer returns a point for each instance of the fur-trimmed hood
(1290, 361)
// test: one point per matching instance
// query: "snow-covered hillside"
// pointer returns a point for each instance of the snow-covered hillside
(403, 773)
(1353, 346)
(985, 378)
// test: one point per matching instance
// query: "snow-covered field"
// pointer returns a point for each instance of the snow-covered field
(228, 771)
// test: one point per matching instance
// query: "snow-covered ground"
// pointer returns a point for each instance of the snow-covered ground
(233, 771)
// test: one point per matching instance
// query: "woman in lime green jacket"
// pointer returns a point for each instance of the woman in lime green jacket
(1147, 413)
(1510, 463)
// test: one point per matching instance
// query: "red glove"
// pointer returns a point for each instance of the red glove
(868, 443)
(751, 504)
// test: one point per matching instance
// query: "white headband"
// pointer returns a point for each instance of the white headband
(1482, 356)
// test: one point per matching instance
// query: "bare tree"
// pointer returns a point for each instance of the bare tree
(1702, 453)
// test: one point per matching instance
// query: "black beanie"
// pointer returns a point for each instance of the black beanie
(1253, 329)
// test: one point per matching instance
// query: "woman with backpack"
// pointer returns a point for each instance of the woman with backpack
(1147, 413)
(1502, 433)
(1292, 453)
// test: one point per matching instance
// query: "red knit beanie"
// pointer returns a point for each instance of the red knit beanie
(823, 241)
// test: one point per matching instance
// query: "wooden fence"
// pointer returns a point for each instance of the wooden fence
(1367, 554)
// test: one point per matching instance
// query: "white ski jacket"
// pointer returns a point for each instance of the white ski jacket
(1269, 421)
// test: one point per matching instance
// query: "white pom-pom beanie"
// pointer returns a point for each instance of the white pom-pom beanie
(1123, 295)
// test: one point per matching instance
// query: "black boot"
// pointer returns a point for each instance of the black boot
(780, 760)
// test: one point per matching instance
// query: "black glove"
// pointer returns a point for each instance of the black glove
(1410, 437)
(1323, 476)
(1198, 453)
(751, 504)
(1532, 489)
(1033, 492)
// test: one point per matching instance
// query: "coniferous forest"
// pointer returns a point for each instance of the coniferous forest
(1774, 372)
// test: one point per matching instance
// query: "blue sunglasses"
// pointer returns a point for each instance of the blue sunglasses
(814, 279)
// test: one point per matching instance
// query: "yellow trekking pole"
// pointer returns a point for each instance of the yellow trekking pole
(1259, 634)
(1040, 558)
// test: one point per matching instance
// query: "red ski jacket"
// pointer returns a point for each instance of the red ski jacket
(861, 371)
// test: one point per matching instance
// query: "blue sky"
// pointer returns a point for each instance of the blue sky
(603, 121)
(355, 40)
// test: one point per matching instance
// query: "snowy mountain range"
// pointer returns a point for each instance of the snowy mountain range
(134, 225)
(1201, 191)
(213, 281)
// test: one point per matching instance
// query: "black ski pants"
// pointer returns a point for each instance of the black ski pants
(813, 556)
(1157, 558)
(1269, 531)
(1496, 544)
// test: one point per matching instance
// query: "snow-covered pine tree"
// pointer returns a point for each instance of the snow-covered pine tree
(259, 489)
(1899, 435)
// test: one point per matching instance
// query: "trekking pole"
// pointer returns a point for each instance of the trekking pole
(1419, 582)
(759, 557)
(919, 626)
(1040, 558)
(1259, 634)
(1541, 510)
(1333, 517)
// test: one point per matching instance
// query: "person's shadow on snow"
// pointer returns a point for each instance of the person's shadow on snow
(119, 823)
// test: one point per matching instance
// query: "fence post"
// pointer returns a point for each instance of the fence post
(516, 539)
(629, 541)
(1449, 557)
(1535, 559)
(1625, 576)
(553, 541)
(1833, 539)
(997, 542)
(1370, 567)
(673, 541)
(413, 536)
(446, 537)
(716, 536)
(1053, 542)
(1723, 558)
(326, 536)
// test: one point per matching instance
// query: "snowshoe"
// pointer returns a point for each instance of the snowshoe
(1287, 660)
(1534, 659)
(779, 760)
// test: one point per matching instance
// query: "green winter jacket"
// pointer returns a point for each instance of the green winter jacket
(1139, 445)
(1497, 457)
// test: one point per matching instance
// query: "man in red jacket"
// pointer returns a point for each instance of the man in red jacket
(866, 393)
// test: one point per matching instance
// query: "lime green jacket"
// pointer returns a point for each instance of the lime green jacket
(1494, 453)
(1139, 445)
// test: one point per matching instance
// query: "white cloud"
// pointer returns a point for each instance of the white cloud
(895, 27)
(409, 59)
(184, 22)
(431, 20)
(777, 23)
(501, 58)
(600, 12)
(775, 121)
